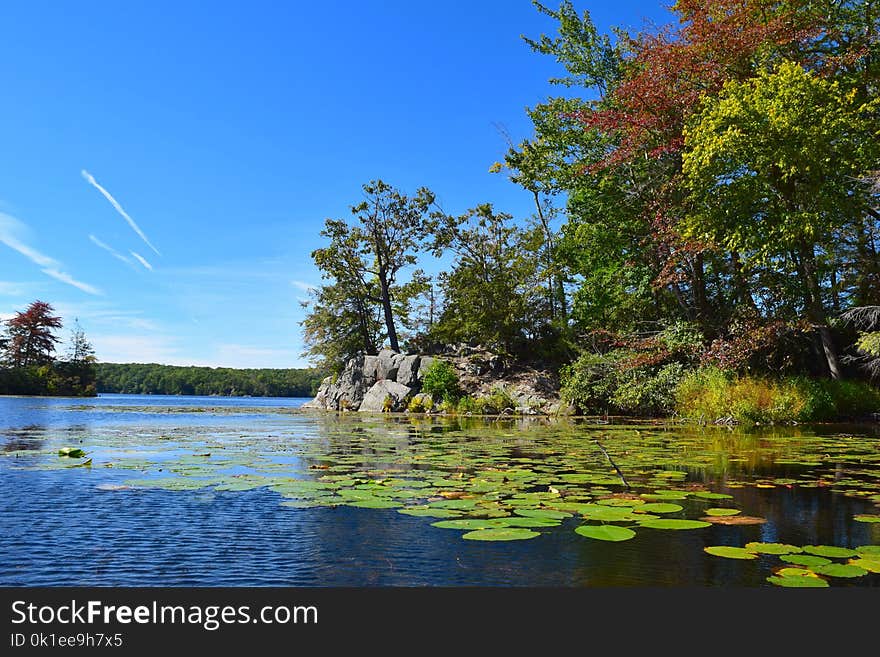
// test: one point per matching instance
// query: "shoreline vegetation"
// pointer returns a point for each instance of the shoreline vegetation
(705, 240)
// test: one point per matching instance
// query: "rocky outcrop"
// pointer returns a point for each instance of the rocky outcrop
(358, 387)
(389, 380)
(386, 396)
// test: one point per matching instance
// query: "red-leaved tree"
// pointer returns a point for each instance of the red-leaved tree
(31, 339)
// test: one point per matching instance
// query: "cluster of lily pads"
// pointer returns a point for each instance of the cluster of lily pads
(810, 565)
(497, 481)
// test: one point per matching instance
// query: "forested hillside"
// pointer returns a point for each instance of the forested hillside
(152, 379)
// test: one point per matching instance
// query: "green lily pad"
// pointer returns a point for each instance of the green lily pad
(795, 572)
(659, 507)
(542, 513)
(729, 552)
(605, 532)
(868, 549)
(799, 582)
(808, 560)
(830, 551)
(840, 570)
(871, 565)
(464, 523)
(706, 495)
(722, 512)
(454, 504)
(72, 452)
(500, 534)
(867, 517)
(673, 523)
(620, 502)
(773, 548)
(421, 511)
(519, 521)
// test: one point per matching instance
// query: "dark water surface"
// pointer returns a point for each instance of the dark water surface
(62, 525)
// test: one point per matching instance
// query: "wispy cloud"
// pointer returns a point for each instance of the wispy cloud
(11, 230)
(305, 287)
(89, 178)
(11, 289)
(141, 259)
(109, 249)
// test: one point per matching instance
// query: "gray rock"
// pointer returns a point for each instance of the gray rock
(389, 363)
(424, 364)
(385, 395)
(408, 372)
(320, 400)
(349, 390)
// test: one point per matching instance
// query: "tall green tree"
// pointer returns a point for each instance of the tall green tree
(773, 165)
(369, 295)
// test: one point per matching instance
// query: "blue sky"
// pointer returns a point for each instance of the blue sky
(166, 167)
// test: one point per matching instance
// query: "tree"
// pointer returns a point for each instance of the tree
(80, 351)
(773, 167)
(490, 293)
(31, 339)
(365, 263)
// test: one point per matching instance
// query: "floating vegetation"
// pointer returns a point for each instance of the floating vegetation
(510, 480)
(773, 548)
(606, 532)
(501, 534)
(729, 552)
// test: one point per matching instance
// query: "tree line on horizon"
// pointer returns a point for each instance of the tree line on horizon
(155, 379)
(706, 196)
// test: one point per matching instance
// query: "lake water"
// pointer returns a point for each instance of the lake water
(210, 491)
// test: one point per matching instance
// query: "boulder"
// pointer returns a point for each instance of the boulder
(354, 382)
(385, 395)
(388, 365)
(320, 401)
(408, 372)
(424, 364)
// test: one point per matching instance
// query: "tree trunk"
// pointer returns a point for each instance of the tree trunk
(386, 309)
(816, 311)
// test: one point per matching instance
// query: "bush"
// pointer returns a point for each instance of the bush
(711, 394)
(610, 384)
(441, 381)
(495, 402)
(420, 404)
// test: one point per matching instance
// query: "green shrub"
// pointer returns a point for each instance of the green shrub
(495, 402)
(609, 383)
(466, 404)
(710, 394)
(441, 381)
(420, 404)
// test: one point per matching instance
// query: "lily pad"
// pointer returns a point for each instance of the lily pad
(840, 570)
(707, 495)
(605, 532)
(673, 523)
(772, 548)
(830, 551)
(421, 511)
(659, 507)
(867, 517)
(464, 523)
(871, 565)
(868, 549)
(542, 513)
(72, 452)
(722, 512)
(799, 582)
(500, 534)
(734, 520)
(808, 560)
(729, 552)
